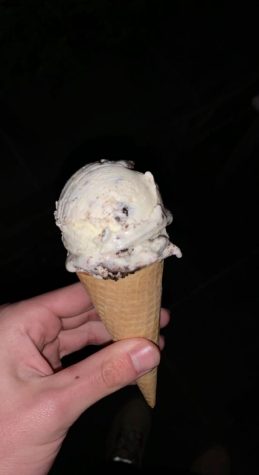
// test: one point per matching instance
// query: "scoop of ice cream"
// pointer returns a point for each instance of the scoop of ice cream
(113, 220)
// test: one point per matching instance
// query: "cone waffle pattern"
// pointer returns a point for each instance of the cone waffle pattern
(130, 307)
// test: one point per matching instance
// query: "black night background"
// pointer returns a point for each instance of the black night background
(173, 86)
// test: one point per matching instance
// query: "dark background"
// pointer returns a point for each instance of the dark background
(174, 87)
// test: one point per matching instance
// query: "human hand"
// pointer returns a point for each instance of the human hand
(39, 400)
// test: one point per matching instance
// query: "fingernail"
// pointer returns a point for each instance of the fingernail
(145, 358)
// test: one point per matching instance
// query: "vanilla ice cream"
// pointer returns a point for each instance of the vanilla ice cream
(112, 220)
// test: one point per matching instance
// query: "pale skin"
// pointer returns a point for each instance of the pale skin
(39, 401)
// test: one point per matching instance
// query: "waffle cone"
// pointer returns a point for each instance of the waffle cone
(130, 307)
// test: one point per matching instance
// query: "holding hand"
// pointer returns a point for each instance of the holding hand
(39, 400)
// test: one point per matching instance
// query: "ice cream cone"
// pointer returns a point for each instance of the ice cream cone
(130, 307)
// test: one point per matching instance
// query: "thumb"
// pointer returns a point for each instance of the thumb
(119, 364)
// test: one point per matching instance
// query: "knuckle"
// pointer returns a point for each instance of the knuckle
(116, 372)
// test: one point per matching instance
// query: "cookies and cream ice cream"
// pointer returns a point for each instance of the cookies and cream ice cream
(112, 220)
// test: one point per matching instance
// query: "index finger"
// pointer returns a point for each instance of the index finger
(65, 302)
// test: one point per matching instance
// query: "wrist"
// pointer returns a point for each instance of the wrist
(13, 465)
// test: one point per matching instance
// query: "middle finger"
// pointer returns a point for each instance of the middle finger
(74, 322)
